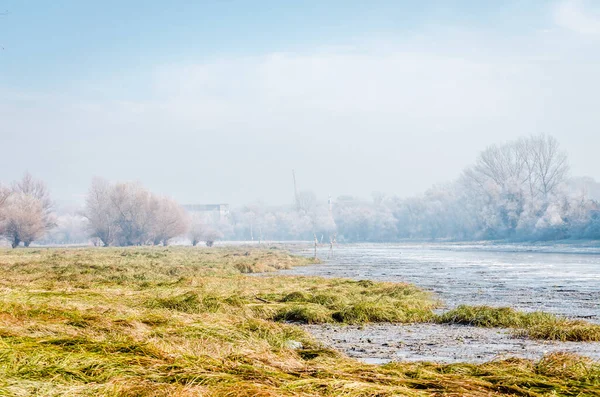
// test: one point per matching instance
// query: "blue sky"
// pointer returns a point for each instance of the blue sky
(50, 43)
(216, 101)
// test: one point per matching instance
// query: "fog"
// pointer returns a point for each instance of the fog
(391, 110)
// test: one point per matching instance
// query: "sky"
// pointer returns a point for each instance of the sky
(218, 100)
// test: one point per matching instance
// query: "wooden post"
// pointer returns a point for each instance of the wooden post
(331, 243)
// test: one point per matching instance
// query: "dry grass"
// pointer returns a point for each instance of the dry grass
(187, 322)
(535, 325)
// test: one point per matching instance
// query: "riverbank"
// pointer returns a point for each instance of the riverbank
(183, 321)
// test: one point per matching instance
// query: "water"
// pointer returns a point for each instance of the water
(564, 280)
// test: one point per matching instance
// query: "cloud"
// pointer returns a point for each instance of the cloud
(579, 16)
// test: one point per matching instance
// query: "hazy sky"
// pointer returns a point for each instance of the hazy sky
(218, 100)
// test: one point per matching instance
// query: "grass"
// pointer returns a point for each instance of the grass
(534, 325)
(190, 322)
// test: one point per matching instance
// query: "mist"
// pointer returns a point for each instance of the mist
(389, 111)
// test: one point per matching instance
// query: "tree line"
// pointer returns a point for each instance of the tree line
(519, 190)
(119, 214)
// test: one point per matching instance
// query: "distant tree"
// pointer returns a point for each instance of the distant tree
(134, 208)
(127, 214)
(28, 213)
(307, 202)
(536, 164)
(197, 229)
(24, 222)
(202, 229)
(4, 195)
(100, 212)
(211, 235)
(70, 229)
(169, 220)
(517, 182)
(547, 164)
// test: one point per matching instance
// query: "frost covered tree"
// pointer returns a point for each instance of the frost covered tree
(128, 214)
(133, 206)
(169, 220)
(28, 212)
(516, 183)
(4, 194)
(100, 213)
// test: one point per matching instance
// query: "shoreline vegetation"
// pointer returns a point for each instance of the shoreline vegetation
(179, 321)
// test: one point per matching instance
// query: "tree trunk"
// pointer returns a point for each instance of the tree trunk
(316, 242)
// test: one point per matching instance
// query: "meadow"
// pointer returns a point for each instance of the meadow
(178, 321)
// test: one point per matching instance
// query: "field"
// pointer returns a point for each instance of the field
(189, 322)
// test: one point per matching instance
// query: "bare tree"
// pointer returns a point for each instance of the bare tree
(536, 164)
(28, 212)
(550, 164)
(128, 214)
(34, 188)
(518, 179)
(500, 165)
(202, 230)
(100, 213)
(169, 220)
(24, 221)
(211, 235)
(4, 195)
(134, 208)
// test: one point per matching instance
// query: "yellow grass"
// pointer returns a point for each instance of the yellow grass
(188, 322)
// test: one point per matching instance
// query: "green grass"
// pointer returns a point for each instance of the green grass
(189, 322)
(535, 325)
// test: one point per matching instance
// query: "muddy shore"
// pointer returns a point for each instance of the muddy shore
(382, 343)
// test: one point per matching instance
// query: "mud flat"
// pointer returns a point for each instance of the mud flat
(382, 343)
